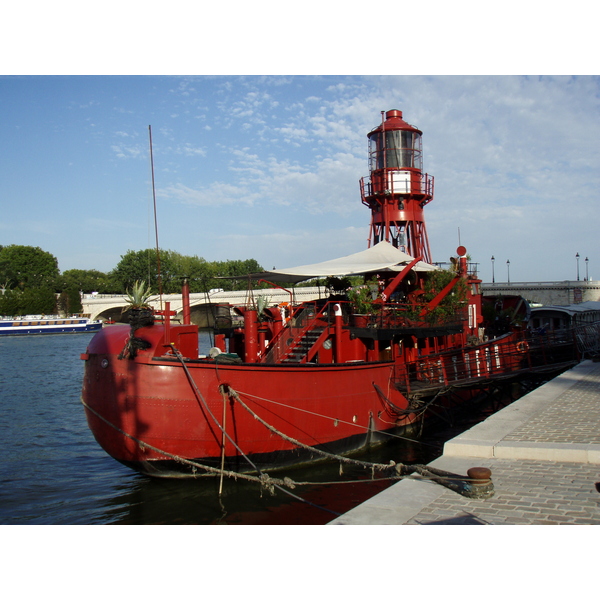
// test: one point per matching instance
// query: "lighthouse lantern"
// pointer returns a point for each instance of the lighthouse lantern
(397, 189)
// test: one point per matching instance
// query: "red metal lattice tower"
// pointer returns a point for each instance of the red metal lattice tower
(397, 189)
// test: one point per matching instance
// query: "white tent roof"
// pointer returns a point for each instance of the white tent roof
(381, 257)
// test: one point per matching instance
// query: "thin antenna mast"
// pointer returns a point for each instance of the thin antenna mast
(160, 291)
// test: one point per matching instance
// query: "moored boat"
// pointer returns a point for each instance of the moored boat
(47, 324)
(303, 381)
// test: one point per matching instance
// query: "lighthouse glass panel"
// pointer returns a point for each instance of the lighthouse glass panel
(402, 150)
(375, 152)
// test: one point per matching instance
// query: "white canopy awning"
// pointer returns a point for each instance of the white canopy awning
(381, 257)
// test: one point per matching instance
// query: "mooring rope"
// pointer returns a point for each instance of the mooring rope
(324, 453)
(315, 414)
(264, 479)
(458, 483)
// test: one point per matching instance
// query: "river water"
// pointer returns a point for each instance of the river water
(53, 471)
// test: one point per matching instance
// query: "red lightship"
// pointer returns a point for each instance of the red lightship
(301, 381)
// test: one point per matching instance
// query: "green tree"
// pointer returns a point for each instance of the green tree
(86, 281)
(27, 267)
(30, 301)
(69, 302)
(235, 268)
(141, 265)
(10, 303)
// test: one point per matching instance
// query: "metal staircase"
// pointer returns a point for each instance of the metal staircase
(302, 345)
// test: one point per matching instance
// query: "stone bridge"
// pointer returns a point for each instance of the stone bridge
(547, 293)
(106, 307)
(202, 306)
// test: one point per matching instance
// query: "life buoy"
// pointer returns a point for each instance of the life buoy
(522, 346)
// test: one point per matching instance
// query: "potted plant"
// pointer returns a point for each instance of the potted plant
(362, 299)
(140, 312)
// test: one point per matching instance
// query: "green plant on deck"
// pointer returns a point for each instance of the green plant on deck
(451, 306)
(138, 296)
(262, 303)
(363, 297)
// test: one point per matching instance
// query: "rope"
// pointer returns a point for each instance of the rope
(450, 480)
(314, 414)
(324, 453)
(265, 480)
(456, 482)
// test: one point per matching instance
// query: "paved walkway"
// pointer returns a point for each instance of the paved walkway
(544, 454)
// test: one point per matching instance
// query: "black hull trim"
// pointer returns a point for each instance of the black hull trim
(269, 462)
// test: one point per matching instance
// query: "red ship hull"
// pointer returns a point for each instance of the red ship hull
(147, 413)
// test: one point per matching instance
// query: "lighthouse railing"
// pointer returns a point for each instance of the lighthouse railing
(396, 185)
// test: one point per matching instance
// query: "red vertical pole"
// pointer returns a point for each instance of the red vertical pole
(251, 336)
(167, 322)
(185, 298)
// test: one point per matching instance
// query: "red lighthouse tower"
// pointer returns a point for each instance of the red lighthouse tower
(397, 189)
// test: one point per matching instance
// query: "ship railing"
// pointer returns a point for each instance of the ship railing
(472, 267)
(587, 338)
(495, 359)
(319, 315)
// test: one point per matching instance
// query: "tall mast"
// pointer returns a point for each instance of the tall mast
(397, 189)
(159, 276)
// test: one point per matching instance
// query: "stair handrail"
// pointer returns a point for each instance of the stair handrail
(278, 347)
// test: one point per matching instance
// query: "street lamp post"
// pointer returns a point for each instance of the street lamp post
(577, 258)
(587, 277)
(493, 279)
(508, 269)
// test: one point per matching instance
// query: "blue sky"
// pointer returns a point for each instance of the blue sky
(267, 166)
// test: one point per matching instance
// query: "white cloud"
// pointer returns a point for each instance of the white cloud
(217, 195)
(134, 151)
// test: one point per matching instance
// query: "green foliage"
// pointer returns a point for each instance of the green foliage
(10, 303)
(69, 302)
(31, 301)
(27, 267)
(87, 281)
(139, 266)
(452, 303)
(338, 285)
(202, 275)
(362, 297)
(24, 269)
